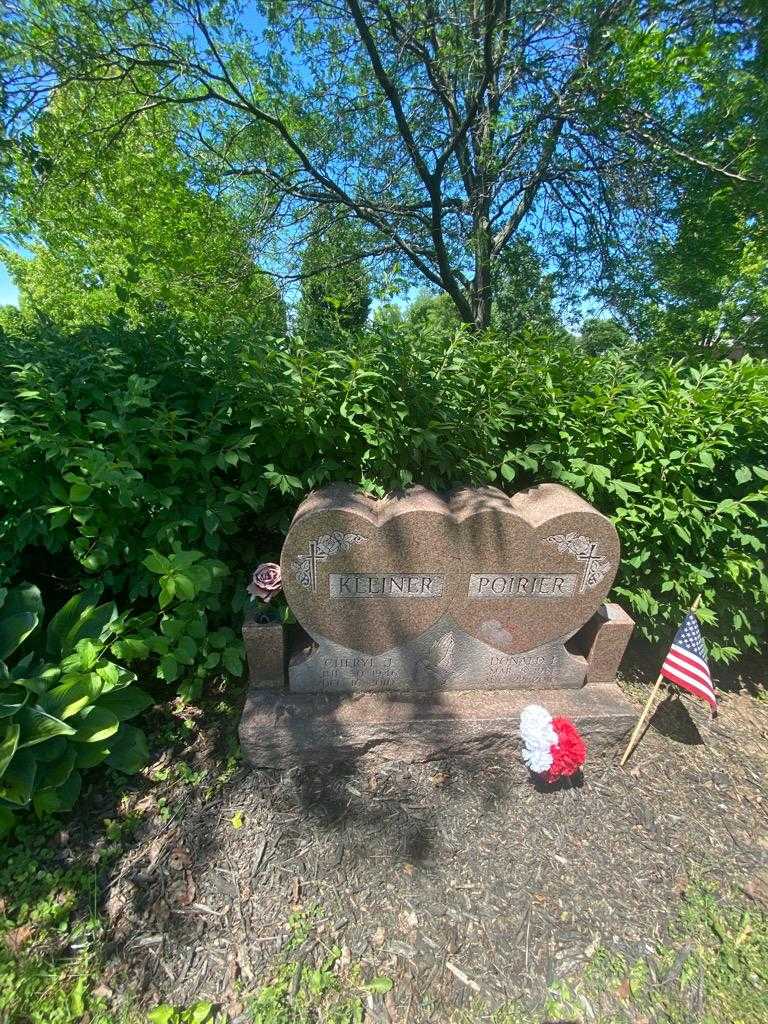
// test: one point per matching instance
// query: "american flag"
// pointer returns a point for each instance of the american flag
(686, 663)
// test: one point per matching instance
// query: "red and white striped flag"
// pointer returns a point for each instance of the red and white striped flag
(686, 663)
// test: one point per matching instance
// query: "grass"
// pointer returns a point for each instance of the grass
(713, 968)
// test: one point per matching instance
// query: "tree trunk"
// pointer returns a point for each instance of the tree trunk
(482, 286)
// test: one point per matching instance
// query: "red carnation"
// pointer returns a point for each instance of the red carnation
(569, 753)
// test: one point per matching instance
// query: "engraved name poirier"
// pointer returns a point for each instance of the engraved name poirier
(523, 584)
(386, 584)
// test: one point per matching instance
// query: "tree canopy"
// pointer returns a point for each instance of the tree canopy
(335, 291)
(445, 129)
(116, 227)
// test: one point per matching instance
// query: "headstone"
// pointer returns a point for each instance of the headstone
(419, 594)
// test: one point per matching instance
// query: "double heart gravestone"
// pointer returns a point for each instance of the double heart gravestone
(423, 616)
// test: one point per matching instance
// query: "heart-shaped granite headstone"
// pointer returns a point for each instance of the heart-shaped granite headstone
(368, 574)
(512, 572)
(535, 567)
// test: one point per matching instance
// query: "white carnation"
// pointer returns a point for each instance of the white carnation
(537, 760)
(538, 737)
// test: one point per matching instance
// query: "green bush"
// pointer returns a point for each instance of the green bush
(115, 444)
(64, 702)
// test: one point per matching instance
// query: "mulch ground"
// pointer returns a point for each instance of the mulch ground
(464, 882)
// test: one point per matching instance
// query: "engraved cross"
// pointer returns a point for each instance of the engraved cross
(590, 558)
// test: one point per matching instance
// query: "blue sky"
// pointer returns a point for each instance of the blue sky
(8, 291)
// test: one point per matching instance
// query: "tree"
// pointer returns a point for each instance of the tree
(525, 295)
(445, 128)
(433, 313)
(524, 300)
(600, 335)
(115, 226)
(704, 282)
(335, 291)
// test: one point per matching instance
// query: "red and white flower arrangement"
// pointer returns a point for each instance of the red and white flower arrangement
(552, 747)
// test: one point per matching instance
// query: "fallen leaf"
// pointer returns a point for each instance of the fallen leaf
(757, 889)
(462, 977)
(18, 937)
(238, 819)
(179, 858)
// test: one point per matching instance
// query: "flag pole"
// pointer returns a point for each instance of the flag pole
(649, 702)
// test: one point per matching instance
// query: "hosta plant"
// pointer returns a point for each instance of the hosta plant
(64, 701)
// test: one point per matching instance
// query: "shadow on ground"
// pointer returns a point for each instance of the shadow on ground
(463, 881)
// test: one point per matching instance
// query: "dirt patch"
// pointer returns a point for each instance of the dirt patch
(463, 881)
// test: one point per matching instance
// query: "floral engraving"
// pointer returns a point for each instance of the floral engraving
(304, 568)
(596, 567)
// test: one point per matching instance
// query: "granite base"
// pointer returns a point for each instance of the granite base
(280, 729)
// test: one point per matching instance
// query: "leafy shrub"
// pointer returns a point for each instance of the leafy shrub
(64, 703)
(114, 444)
(189, 585)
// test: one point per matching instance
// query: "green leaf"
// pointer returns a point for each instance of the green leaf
(706, 460)
(24, 667)
(169, 668)
(682, 532)
(233, 660)
(11, 700)
(743, 474)
(157, 563)
(50, 801)
(186, 650)
(93, 624)
(163, 1014)
(201, 1013)
(79, 493)
(91, 754)
(126, 703)
(65, 621)
(167, 591)
(130, 649)
(109, 674)
(185, 588)
(24, 598)
(7, 822)
(51, 750)
(379, 985)
(72, 696)
(37, 726)
(70, 791)
(8, 745)
(14, 629)
(128, 750)
(94, 725)
(18, 782)
(57, 772)
(84, 658)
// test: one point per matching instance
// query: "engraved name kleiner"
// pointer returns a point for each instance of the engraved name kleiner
(386, 584)
(522, 584)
